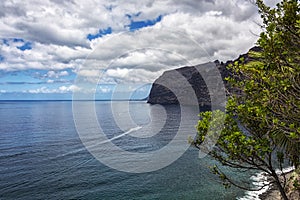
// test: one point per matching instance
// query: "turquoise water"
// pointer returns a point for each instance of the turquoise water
(42, 157)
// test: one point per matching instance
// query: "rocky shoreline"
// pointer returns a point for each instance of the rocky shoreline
(273, 193)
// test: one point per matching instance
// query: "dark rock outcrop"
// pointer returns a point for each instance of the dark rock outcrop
(194, 84)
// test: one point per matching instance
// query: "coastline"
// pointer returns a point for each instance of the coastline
(267, 193)
(292, 194)
(271, 194)
(257, 180)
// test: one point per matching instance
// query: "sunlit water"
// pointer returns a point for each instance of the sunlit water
(42, 157)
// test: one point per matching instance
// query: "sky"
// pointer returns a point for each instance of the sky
(53, 48)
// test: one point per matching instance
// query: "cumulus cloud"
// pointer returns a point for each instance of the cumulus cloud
(54, 74)
(179, 39)
(105, 89)
(40, 90)
(71, 88)
(189, 32)
(46, 90)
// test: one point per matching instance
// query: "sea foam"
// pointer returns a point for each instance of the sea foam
(258, 180)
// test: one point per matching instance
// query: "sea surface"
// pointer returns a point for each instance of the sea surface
(42, 156)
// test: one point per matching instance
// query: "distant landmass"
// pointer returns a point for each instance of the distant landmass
(185, 84)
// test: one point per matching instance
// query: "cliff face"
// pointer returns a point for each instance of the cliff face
(188, 85)
(193, 85)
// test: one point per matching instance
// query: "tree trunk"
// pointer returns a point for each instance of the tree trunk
(279, 185)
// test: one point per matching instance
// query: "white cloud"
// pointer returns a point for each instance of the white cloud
(179, 39)
(40, 90)
(63, 73)
(51, 74)
(54, 74)
(118, 73)
(89, 73)
(58, 33)
(104, 89)
(61, 89)
(71, 88)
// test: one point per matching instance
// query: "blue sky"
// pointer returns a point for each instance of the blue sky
(46, 48)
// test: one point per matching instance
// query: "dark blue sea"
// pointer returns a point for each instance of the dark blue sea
(43, 157)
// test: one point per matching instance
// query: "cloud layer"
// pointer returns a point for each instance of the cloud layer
(120, 41)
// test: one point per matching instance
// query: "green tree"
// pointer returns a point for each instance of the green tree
(280, 63)
(262, 121)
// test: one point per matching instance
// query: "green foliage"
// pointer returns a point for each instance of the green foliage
(296, 184)
(264, 119)
(273, 82)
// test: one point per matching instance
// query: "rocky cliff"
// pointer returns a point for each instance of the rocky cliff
(193, 84)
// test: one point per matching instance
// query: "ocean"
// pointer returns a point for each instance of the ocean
(43, 157)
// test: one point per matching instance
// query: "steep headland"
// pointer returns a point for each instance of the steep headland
(184, 83)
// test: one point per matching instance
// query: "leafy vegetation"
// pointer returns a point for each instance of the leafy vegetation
(262, 121)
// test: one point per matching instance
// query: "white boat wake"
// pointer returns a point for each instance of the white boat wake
(121, 135)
